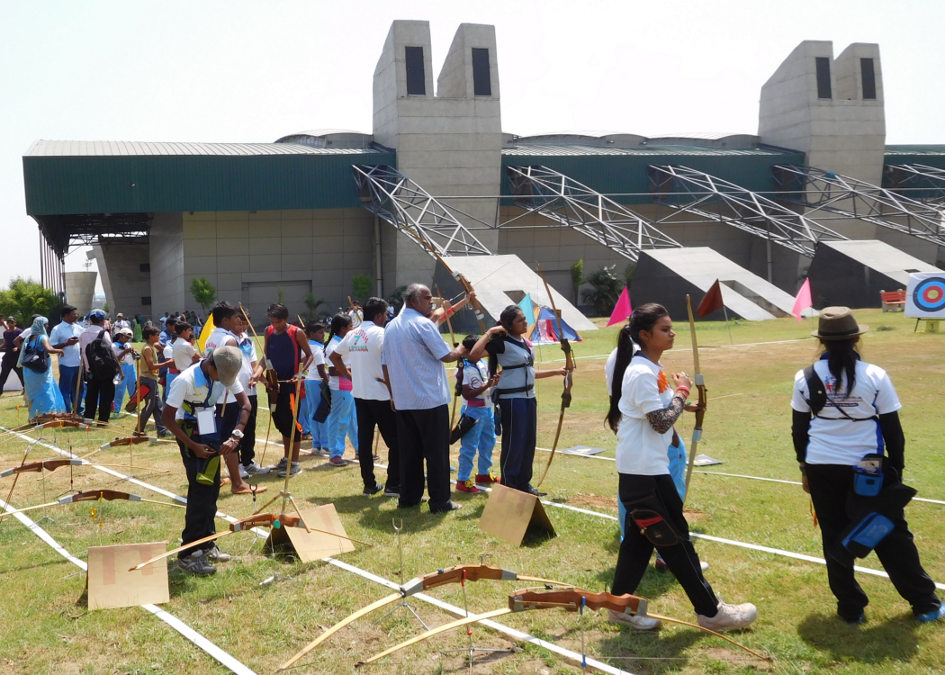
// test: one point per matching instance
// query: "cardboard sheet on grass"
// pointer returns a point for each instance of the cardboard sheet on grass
(511, 514)
(111, 585)
(311, 546)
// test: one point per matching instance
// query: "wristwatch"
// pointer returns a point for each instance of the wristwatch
(236, 433)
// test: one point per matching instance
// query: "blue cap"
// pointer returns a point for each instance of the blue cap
(96, 314)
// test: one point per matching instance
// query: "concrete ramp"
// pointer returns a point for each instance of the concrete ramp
(500, 281)
(852, 273)
(667, 275)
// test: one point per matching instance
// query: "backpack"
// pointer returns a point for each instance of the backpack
(103, 365)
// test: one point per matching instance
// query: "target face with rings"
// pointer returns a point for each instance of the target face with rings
(929, 294)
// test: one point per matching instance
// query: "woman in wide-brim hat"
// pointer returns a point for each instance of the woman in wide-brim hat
(859, 417)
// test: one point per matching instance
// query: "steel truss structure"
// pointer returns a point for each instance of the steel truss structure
(62, 232)
(923, 183)
(826, 191)
(562, 199)
(404, 204)
(714, 199)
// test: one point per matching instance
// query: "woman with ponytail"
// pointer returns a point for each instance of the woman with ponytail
(643, 409)
(845, 415)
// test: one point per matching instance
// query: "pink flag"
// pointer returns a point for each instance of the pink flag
(622, 310)
(802, 301)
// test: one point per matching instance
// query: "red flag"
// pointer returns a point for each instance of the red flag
(712, 300)
(622, 309)
(802, 301)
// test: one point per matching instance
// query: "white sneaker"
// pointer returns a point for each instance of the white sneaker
(704, 565)
(243, 472)
(729, 617)
(635, 621)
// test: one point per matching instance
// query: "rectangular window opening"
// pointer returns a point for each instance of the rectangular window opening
(146, 300)
(868, 78)
(823, 77)
(416, 78)
(144, 267)
(482, 82)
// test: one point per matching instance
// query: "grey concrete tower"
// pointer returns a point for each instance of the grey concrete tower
(449, 142)
(832, 110)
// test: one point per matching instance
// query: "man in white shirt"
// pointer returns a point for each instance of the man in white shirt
(414, 353)
(65, 336)
(363, 346)
(100, 389)
(190, 414)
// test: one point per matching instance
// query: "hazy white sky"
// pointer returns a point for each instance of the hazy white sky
(240, 70)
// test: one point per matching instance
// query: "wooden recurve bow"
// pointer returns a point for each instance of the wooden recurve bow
(449, 575)
(569, 366)
(699, 381)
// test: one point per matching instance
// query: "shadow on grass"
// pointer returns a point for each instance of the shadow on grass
(891, 641)
(639, 651)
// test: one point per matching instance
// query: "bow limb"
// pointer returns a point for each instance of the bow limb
(351, 618)
(710, 632)
(699, 381)
(473, 618)
(16, 477)
(449, 323)
(569, 366)
(256, 520)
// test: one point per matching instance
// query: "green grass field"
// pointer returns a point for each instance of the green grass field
(748, 369)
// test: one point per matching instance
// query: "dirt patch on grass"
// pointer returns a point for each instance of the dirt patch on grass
(606, 503)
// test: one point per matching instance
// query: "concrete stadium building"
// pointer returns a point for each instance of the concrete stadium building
(439, 179)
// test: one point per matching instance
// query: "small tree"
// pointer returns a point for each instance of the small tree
(313, 303)
(204, 292)
(26, 297)
(577, 276)
(396, 298)
(606, 287)
(361, 286)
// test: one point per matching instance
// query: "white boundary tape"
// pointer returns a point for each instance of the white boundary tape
(199, 640)
(733, 475)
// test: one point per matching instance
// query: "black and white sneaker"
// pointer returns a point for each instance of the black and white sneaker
(391, 492)
(197, 563)
(372, 489)
(253, 469)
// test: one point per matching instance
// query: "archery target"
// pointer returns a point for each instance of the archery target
(925, 297)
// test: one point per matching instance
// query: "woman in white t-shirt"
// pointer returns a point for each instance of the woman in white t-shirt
(854, 412)
(643, 409)
(343, 419)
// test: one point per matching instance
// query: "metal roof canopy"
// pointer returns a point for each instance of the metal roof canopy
(820, 190)
(567, 202)
(64, 231)
(690, 191)
(415, 213)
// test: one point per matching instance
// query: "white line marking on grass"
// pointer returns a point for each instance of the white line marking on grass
(196, 638)
(730, 475)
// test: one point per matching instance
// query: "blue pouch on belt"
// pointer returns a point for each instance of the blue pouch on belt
(868, 475)
(866, 534)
